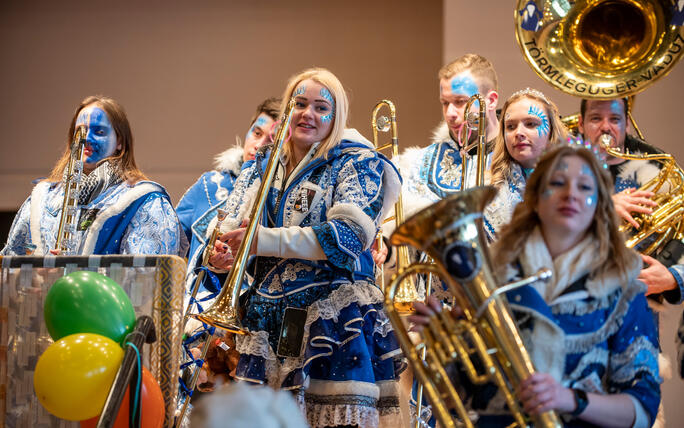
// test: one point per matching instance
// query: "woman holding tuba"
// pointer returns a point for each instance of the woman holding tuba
(113, 208)
(314, 313)
(588, 331)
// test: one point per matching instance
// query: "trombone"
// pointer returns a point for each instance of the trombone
(470, 121)
(407, 293)
(224, 312)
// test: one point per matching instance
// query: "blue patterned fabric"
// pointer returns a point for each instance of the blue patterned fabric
(510, 193)
(434, 172)
(128, 219)
(348, 343)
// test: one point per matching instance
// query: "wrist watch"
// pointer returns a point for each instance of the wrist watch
(581, 400)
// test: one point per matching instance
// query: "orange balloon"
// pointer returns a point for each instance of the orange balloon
(153, 407)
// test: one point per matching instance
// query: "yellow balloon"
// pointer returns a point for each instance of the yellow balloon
(74, 374)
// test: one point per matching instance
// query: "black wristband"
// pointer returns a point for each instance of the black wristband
(581, 400)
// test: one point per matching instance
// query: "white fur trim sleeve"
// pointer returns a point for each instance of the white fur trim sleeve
(351, 212)
(289, 242)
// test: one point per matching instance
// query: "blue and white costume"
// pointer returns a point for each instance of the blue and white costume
(434, 172)
(589, 332)
(198, 207)
(510, 193)
(635, 173)
(122, 219)
(313, 254)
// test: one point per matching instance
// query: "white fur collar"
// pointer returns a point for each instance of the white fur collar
(441, 133)
(229, 160)
(37, 205)
(351, 134)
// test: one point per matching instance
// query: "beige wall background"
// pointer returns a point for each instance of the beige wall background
(489, 31)
(190, 74)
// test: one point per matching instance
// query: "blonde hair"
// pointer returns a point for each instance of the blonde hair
(478, 66)
(501, 159)
(122, 161)
(341, 107)
(612, 251)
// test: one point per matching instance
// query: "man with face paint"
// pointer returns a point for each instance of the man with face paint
(119, 210)
(198, 207)
(434, 172)
(609, 117)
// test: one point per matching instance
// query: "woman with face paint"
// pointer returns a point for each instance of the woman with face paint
(314, 312)
(120, 211)
(588, 329)
(530, 124)
(198, 207)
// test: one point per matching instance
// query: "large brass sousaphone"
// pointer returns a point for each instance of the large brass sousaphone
(600, 48)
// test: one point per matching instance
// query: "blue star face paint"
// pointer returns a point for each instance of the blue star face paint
(544, 127)
(101, 137)
(325, 93)
(593, 198)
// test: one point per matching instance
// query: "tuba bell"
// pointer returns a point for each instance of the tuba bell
(601, 49)
(450, 231)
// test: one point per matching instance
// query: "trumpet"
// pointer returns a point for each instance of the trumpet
(68, 220)
(472, 121)
(407, 294)
(224, 312)
(450, 231)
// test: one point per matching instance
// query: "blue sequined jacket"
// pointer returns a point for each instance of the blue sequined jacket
(124, 219)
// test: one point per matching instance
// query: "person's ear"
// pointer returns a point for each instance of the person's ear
(492, 100)
(580, 125)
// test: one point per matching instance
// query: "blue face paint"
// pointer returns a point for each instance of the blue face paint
(543, 128)
(325, 93)
(591, 200)
(463, 85)
(300, 90)
(101, 137)
(547, 193)
(562, 166)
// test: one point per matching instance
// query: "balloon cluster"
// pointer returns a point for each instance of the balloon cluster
(89, 315)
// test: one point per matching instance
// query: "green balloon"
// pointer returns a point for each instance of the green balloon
(88, 302)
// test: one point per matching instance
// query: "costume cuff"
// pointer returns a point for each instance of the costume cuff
(641, 419)
(675, 296)
(289, 242)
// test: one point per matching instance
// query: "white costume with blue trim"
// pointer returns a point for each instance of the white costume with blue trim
(125, 219)
(313, 254)
(198, 207)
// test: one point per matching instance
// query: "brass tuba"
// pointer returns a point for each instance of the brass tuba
(406, 294)
(606, 49)
(599, 48)
(450, 231)
(65, 243)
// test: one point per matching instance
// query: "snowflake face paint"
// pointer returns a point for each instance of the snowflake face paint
(524, 142)
(568, 204)
(543, 128)
(325, 93)
(313, 115)
(101, 138)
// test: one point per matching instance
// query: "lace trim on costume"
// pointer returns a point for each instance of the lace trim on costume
(383, 326)
(322, 411)
(361, 292)
(639, 356)
(582, 343)
(595, 356)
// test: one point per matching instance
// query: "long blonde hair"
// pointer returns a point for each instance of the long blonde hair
(122, 161)
(333, 84)
(501, 159)
(612, 251)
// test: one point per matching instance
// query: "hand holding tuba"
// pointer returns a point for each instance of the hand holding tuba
(450, 231)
